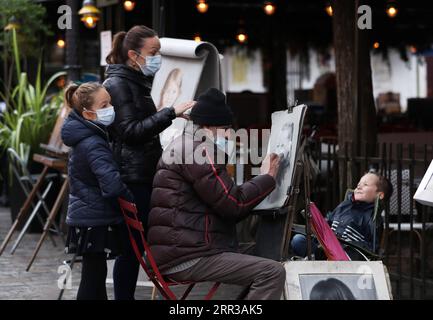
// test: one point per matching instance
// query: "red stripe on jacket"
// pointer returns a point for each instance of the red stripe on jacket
(226, 191)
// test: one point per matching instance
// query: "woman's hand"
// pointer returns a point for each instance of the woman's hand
(181, 108)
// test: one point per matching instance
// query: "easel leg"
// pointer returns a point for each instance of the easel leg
(24, 209)
(50, 220)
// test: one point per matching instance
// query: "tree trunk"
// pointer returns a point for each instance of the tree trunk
(72, 41)
(356, 109)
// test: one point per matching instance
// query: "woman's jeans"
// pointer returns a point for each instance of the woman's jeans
(126, 267)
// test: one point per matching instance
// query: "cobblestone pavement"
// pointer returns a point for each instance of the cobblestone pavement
(40, 283)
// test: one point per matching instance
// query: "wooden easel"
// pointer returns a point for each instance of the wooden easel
(273, 236)
(55, 158)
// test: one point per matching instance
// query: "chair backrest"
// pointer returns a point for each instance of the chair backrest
(129, 211)
(55, 144)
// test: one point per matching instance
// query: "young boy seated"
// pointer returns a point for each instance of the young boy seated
(352, 220)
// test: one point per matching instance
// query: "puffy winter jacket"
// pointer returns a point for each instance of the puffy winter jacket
(94, 178)
(352, 221)
(137, 125)
(195, 207)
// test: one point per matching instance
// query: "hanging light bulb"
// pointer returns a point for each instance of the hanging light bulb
(202, 6)
(329, 10)
(129, 5)
(376, 45)
(391, 9)
(197, 37)
(89, 14)
(61, 43)
(269, 8)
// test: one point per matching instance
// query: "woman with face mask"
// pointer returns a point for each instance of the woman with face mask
(132, 63)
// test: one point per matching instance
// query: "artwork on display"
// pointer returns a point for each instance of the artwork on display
(284, 141)
(337, 280)
(424, 193)
(188, 68)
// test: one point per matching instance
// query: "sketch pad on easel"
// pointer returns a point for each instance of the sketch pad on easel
(424, 193)
(196, 67)
(286, 132)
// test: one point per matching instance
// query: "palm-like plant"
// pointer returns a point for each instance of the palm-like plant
(30, 116)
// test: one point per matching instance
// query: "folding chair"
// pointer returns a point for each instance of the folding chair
(28, 183)
(55, 158)
(129, 211)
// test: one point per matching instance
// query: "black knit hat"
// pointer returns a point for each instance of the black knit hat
(211, 109)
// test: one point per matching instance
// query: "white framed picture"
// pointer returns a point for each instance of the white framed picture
(336, 280)
(424, 193)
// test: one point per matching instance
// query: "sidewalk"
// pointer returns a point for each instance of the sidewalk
(40, 283)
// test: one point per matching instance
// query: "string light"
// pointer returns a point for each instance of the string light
(269, 8)
(202, 6)
(329, 10)
(197, 37)
(376, 45)
(241, 37)
(129, 5)
(391, 9)
(61, 43)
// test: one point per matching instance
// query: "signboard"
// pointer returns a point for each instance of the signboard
(105, 37)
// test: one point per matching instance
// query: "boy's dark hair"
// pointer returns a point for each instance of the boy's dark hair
(383, 185)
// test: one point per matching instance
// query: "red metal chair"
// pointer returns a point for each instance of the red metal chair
(129, 211)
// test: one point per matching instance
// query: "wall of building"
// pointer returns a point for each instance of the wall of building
(243, 71)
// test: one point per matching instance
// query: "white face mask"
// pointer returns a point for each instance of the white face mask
(153, 64)
(104, 116)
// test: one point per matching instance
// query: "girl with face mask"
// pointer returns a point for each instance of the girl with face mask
(95, 225)
(132, 63)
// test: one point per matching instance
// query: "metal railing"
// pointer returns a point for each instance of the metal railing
(406, 223)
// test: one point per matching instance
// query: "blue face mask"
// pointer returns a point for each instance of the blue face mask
(153, 64)
(221, 143)
(104, 116)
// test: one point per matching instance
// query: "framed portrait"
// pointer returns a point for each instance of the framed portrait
(336, 280)
(424, 193)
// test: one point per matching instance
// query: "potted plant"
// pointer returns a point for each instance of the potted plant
(28, 120)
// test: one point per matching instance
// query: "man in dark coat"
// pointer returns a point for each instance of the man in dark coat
(196, 205)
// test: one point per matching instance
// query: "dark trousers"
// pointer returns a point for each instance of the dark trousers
(126, 267)
(93, 277)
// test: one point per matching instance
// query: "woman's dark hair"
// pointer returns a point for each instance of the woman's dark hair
(331, 289)
(125, 41)
(79, 97)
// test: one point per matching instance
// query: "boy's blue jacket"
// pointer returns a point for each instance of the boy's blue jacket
(352, 221)
(94, 177)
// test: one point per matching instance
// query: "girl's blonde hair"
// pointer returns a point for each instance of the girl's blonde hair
(81, 97)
